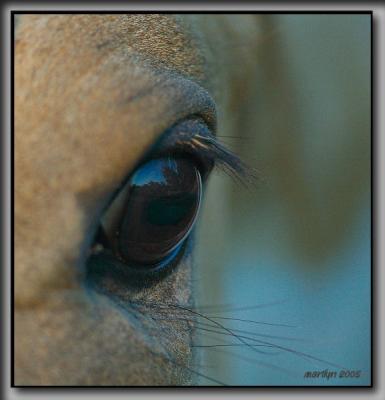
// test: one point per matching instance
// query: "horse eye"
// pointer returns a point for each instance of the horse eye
(151, 218)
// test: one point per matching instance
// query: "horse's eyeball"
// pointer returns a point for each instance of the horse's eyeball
(163, 204)
(158, 209)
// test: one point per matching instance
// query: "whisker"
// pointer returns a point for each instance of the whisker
(249, 321)
(254, 361)
(241, 338)
(234, 330)
(254, 322)
(217, 324)
(286, 349)
(238, 345)
(257, 334)
(238, 337)
(230, 307)
(248, 344)
(178, 364)
(207, 377)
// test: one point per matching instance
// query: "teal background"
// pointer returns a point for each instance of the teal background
(296, 248)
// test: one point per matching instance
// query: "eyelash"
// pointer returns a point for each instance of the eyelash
(198, 141)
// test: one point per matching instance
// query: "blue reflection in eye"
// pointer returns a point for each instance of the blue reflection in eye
(154, 171)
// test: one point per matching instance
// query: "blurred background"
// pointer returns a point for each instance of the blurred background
(287, 264)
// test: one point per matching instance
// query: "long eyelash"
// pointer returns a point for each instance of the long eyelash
(193, 136)
(226, 160)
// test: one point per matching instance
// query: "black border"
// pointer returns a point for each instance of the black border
(372, 198)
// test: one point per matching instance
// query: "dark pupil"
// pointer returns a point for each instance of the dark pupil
(162, 206)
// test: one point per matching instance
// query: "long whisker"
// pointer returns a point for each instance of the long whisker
(229, 331)
(231, 307)
(296, 352)
(223, 330)
(269, 353)
(254, 361)
(234, 330)
(254, 322)
(258, 334)
(206, 377)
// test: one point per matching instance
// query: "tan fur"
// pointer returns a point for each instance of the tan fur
(92, 93)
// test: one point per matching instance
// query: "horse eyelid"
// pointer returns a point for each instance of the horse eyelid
(193, 137)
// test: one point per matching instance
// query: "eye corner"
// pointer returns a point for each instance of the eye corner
(107, 273)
